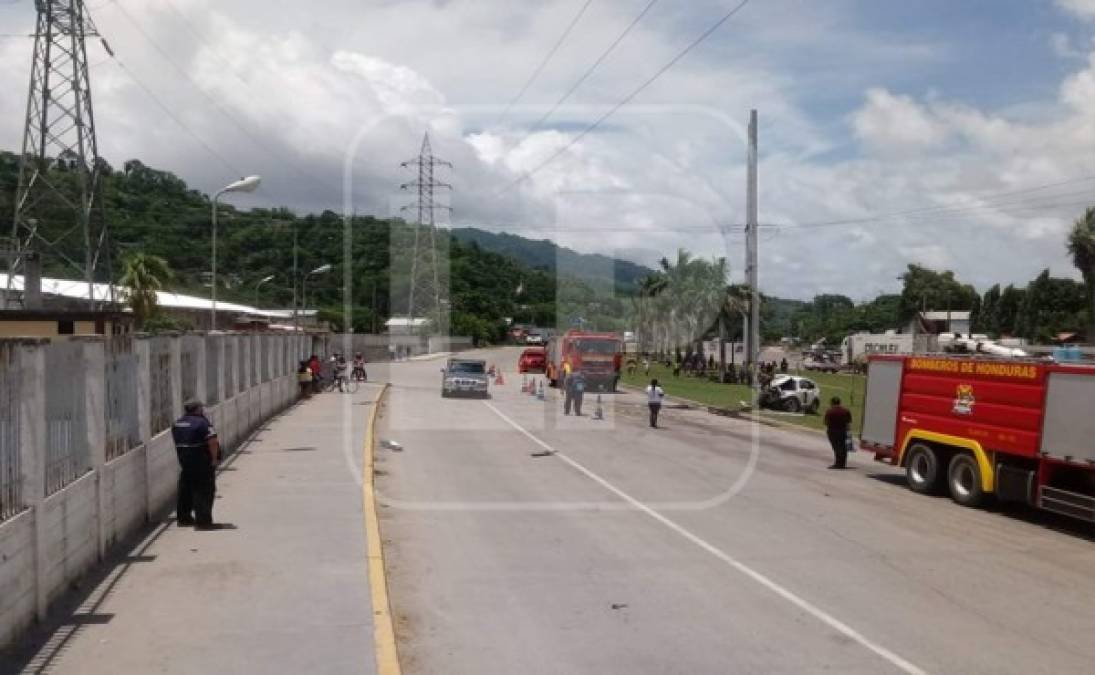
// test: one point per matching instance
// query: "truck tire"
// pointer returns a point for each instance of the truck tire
(922, 469)
(964, 480)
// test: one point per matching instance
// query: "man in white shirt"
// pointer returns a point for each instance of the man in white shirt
(654, 396)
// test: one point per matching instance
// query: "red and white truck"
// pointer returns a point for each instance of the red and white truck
(597, 355)
(1018, 429)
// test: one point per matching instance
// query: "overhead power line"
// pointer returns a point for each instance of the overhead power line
(547, 58)
(627, 99)
(175, 118)
(243, 128)
(590, 70)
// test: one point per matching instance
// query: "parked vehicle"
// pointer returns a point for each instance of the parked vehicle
(598, 355)
(822, 363)
(791, 393)
(857, 347)
(465, 376)
(534, 339)
(1017, 429)
(532, 360)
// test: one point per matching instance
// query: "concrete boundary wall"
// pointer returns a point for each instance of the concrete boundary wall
(57, 538)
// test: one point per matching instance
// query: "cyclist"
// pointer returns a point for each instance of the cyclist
(359, 367)
(341, 371)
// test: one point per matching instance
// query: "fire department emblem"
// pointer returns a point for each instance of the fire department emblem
(964, 400)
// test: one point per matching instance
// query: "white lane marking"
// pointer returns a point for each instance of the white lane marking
(803, 604)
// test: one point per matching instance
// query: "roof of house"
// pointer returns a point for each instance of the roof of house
(403, 322)
(78, 290)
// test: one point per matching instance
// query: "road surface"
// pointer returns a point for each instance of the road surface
(708, 546)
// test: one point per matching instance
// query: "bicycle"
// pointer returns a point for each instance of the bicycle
(348, 385)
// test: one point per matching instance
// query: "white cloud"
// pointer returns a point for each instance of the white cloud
(284, 94)
(1085, 9)
(893, 124)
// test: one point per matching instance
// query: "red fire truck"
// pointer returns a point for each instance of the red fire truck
(597, 355)
(1021, 430)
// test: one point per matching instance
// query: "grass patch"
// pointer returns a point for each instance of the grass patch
(850, 389)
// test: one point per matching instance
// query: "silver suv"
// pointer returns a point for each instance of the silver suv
(465, 376)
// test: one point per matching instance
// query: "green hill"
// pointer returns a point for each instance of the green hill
(544, 254)
(156, 212)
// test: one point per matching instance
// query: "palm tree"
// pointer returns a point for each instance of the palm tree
(1081, 244)
(142, 275)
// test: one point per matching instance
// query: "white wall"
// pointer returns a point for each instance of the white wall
(58, 538)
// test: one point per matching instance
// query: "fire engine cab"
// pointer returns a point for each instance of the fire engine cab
(1019, 429)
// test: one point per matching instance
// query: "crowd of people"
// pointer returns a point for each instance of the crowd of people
(313, 373)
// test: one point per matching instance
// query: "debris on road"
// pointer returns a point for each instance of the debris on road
(389, 444)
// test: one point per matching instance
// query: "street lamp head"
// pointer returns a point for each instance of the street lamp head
(267, 278)
(321, 269)
(248, 184)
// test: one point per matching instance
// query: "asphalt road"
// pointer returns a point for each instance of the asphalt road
(708, 546)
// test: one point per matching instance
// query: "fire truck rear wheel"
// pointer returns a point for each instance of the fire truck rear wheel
(922, 469)
(964, 480)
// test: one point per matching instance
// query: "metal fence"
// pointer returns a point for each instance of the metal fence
(213, 346)
(243, 355)
(161, 412)
(190, 346)
(67, 456)
(262, 344)
(230, 356)
(122, 428)
(11, 483)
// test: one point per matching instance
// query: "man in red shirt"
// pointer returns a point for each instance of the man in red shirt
(838, 419)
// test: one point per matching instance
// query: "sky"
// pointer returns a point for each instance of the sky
(957, 134)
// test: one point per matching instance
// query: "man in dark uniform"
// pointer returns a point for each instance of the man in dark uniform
(198, 450)
(837, 420)
(575, 390)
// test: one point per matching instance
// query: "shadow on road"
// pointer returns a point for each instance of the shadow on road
(45, 643)
(1014, 511)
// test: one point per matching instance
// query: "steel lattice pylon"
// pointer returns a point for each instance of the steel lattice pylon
(426, 295)
(58, 201)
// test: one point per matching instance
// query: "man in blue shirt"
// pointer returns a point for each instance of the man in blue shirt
(198, 450)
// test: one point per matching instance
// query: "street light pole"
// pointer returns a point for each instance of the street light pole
(248, 184)
(259, 284)
(304, 283)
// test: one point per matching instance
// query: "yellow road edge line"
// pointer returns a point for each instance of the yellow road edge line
(387, 655)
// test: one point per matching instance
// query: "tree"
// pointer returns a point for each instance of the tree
(988, 320)
(142, 275)
(1051, 306)
(928, 289)
(1081, 244)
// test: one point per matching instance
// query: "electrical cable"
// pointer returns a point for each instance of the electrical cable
(627, 99)
(547, 58)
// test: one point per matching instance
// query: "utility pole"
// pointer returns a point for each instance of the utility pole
(58, 200)
(751, 271)
(425, 293)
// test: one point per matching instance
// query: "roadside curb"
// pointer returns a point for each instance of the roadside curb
(387, 655)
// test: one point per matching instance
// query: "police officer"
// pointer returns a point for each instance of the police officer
(198, 450)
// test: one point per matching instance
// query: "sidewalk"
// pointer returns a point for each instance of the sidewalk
(285, 591)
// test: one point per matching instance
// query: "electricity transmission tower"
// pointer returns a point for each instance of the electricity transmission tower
(426, 294)
(58, 201)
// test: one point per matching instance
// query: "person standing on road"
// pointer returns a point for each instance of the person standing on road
(838, 420)
(654, 396)
(198, 450)
(315, 366)
(575, 388)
